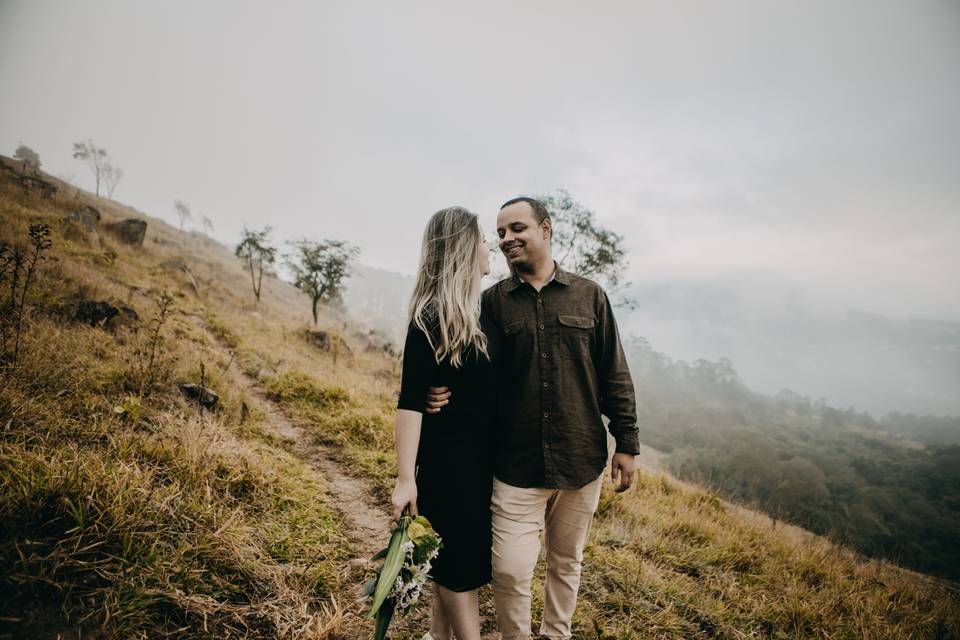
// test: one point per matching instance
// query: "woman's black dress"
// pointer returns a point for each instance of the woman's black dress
(454, 460)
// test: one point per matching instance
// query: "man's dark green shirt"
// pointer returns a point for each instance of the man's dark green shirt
(560, 366)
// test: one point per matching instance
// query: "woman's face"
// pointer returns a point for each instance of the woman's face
(484, 255)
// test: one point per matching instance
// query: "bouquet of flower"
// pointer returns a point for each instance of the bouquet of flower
(406, 562)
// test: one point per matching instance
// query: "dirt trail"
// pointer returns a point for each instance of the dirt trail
(367, 522)
(368, 525)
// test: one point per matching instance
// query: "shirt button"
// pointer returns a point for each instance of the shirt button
(546, 384)
(546, 415)
(543, 355)
(546, 445)
(541, 327)
(579, 321)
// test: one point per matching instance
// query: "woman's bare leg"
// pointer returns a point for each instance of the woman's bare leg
(440, 628)
(462, 610)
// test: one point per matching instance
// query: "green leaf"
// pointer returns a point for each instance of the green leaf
(384, 615)
(391, 567)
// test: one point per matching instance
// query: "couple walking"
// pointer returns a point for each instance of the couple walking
(499, 433)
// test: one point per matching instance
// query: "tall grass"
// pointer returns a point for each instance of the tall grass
(122, 514)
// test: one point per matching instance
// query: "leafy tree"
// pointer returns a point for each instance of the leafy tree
(29, 157)
(96, 158)
(319, 269)
(586, 248)
(257, 254)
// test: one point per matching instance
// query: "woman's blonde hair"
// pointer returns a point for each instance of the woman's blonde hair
(446, 298)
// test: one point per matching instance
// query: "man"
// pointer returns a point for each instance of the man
(561, 366)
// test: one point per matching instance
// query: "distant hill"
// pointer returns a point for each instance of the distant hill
(379, 297)
(779, 339)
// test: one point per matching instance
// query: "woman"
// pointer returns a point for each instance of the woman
(444, 460)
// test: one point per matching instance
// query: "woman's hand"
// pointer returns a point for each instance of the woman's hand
(404, 494)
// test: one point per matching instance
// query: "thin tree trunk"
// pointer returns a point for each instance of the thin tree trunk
(253, 282)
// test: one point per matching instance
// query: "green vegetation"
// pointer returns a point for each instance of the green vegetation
(837, 473)
(256, 252)
(319, 269)
(584, 247)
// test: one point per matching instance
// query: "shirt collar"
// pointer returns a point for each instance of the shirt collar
(559, 275)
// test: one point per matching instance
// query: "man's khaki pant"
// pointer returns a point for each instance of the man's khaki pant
(519, 517)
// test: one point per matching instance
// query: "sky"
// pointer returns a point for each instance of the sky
(798, 154)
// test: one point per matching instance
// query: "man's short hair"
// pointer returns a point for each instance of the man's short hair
(540, 212)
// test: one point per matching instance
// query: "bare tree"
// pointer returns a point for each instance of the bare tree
(96, 158)
(319, 268)
(111, 176)
(207, 224)
(255, 251)
(183, 211)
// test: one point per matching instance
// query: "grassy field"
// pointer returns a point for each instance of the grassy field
(127, 512)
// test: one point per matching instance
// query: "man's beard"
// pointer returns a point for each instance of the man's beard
(523, 266)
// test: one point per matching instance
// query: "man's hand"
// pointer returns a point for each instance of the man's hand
(436, 398)
(623, 464)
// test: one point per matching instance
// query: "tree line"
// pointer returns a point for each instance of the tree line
(837, 472)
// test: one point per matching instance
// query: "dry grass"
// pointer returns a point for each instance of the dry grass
(153, 520)
(123, 511)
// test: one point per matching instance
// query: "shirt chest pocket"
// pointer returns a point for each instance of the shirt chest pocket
(518, 343)
(576, 336)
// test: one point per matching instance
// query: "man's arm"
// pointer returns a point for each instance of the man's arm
(617, 397)
(437, 397)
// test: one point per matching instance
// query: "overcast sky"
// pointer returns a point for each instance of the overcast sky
(813, 145)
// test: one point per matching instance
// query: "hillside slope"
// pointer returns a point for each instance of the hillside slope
(127, 511)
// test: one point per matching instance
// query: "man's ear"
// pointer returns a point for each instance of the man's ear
(547, 226)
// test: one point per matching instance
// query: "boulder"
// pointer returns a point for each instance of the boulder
(87, 215)
(181, 266)
(103, 314)
(87, 218)
(326, 340)
(127, 318)
(207, 398)
(130, 231)
(319, 339)
(35, 183)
